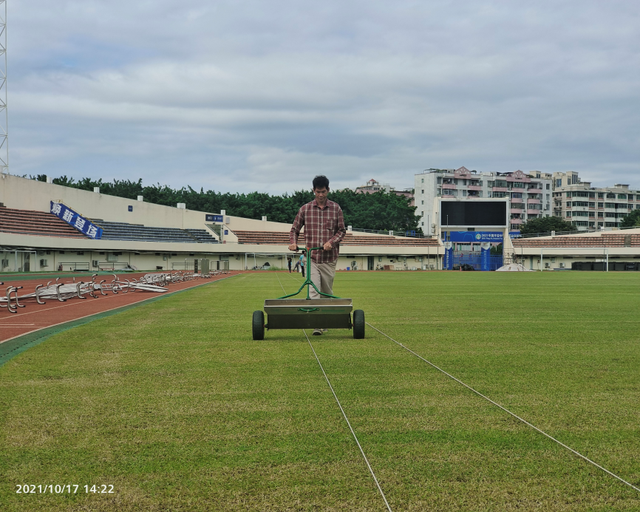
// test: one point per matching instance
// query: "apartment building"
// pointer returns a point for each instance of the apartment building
(530, 195)
(372, 186)
(590, 208)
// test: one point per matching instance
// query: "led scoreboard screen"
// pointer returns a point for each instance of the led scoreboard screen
(473, 213)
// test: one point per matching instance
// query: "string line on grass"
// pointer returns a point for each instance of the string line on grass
(506, 410)
(280, 283)
(344, 415)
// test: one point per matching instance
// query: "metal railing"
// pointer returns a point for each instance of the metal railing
(409, 233)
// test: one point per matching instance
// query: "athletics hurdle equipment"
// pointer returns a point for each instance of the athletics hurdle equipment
(57, 290)
(329, 312)
(64, 291)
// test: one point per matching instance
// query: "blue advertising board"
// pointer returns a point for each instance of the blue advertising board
(213, 218)
(480, 236)
(76, 220)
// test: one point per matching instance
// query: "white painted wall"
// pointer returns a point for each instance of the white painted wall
(26, 194)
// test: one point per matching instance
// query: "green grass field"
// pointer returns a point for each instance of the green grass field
(177, 408)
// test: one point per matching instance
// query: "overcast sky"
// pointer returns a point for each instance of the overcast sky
(245, 95)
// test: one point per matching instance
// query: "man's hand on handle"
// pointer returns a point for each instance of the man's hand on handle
(326, 247)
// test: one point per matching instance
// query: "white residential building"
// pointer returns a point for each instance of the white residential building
(589, 208)
(374, 186)
(529, 194)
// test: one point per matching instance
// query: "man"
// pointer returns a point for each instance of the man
(324, 227)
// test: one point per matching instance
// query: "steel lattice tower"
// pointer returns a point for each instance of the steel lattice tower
(4, 114)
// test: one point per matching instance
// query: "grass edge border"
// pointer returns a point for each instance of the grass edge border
(14, 346)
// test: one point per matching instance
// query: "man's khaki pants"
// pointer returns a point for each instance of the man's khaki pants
(322, 275)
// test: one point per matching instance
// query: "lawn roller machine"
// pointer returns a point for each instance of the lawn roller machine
(328, 312)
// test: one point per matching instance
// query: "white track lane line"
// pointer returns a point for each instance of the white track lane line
(507, 410)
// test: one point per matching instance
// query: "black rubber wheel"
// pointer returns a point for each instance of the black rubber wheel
(258, 325)
(358, 324)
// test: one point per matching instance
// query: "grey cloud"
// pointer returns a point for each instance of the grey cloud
(244, 95)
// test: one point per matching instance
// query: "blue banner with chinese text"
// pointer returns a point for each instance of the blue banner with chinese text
(72, 218)
(448, 256)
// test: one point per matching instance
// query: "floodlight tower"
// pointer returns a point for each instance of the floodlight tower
(4, 114)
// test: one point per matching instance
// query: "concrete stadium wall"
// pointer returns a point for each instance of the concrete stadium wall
(561, 258)
(26, 194)
(53, 260)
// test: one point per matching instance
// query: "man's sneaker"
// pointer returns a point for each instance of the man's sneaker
(317, 332)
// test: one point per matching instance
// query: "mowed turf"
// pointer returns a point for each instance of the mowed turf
(175, 406)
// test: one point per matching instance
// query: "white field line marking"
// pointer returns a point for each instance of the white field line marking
(344, 415)
(280, 283)
(507, 410)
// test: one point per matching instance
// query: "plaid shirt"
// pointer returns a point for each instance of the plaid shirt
(322, 225)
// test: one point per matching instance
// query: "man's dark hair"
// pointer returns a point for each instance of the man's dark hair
(320, 182)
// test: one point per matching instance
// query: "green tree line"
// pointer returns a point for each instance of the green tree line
(632, 220)
(381, 211)
(546, 225)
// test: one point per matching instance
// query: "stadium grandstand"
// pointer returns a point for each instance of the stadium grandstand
(604, 250)
(48, 227)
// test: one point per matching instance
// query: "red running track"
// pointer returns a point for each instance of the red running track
(34, 316)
